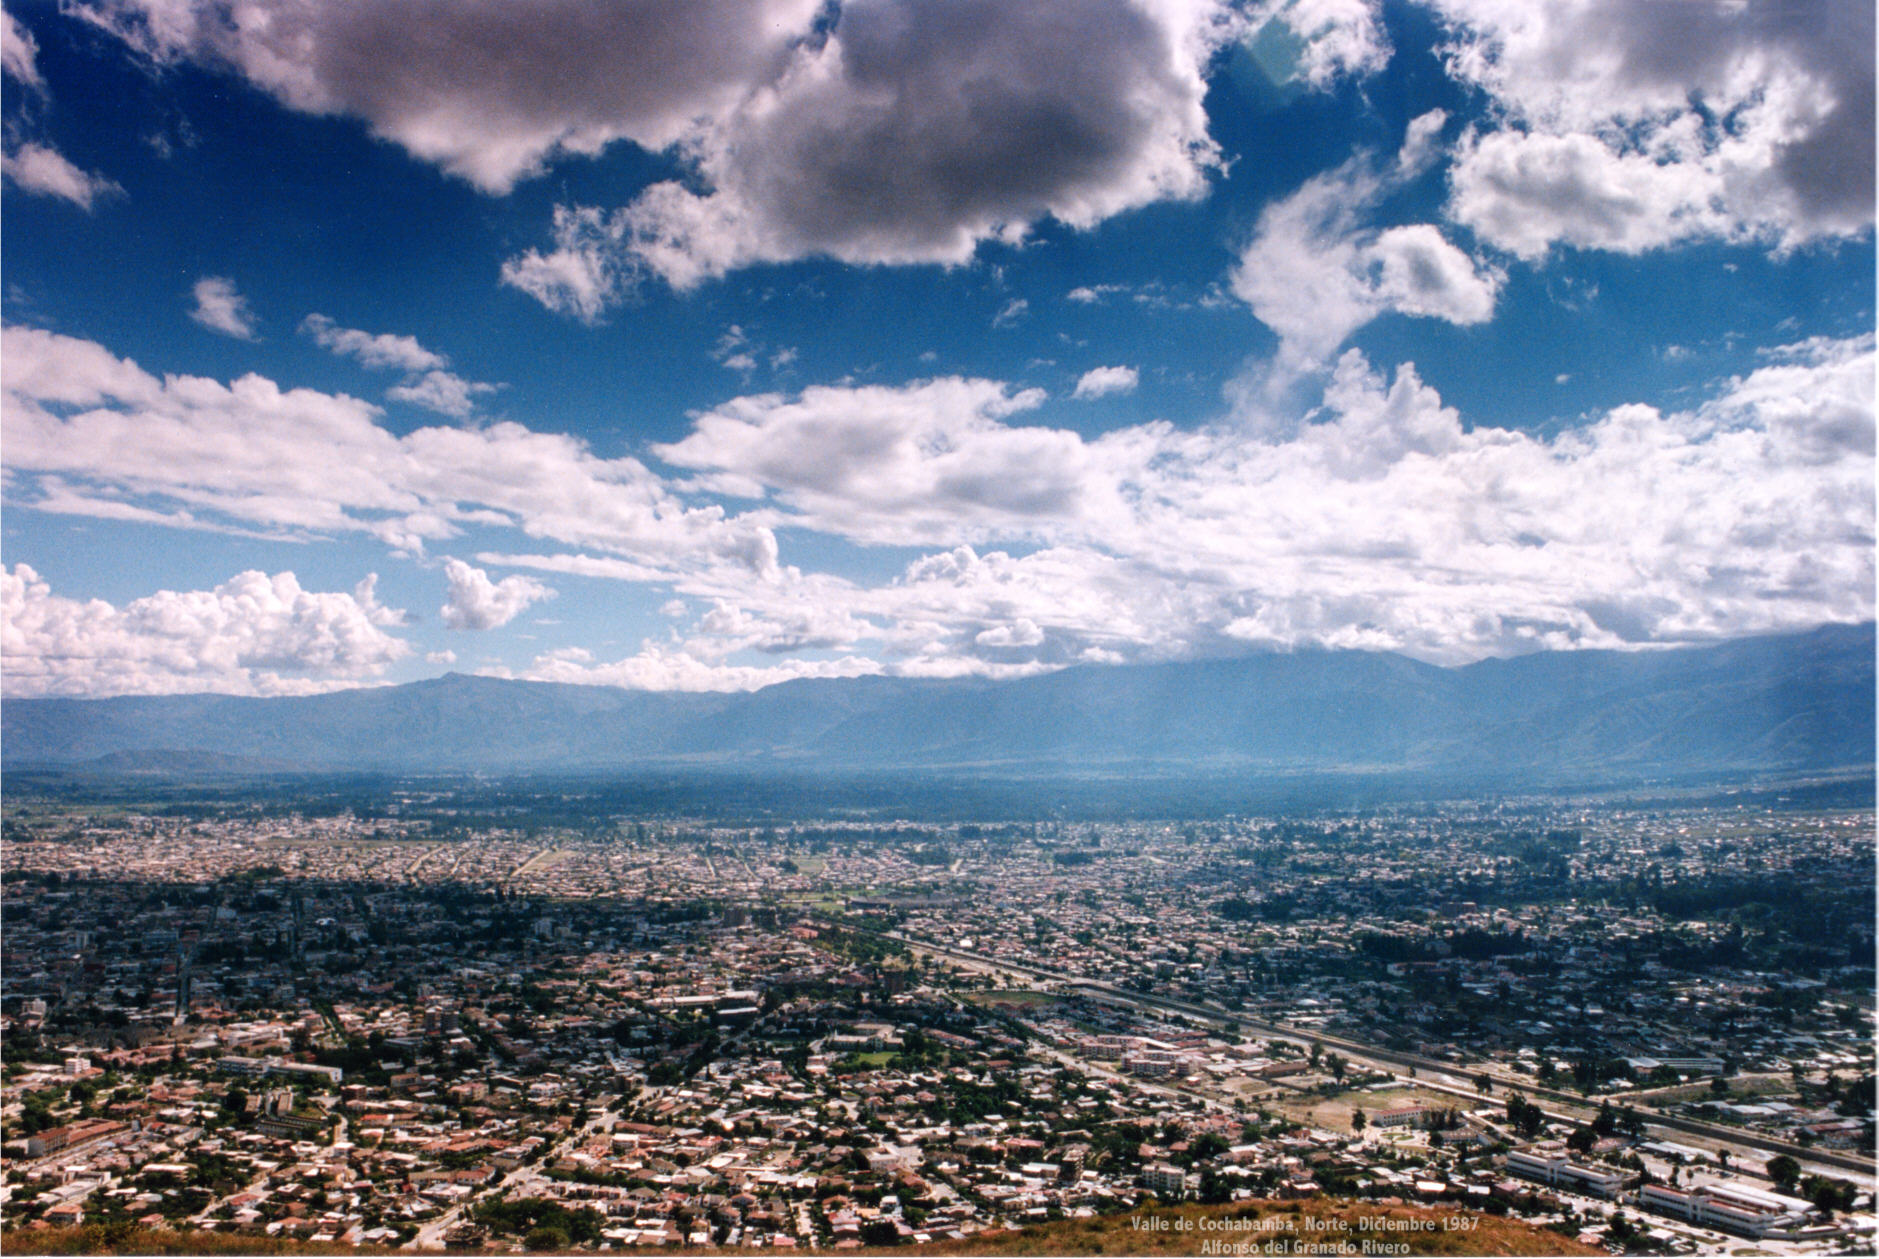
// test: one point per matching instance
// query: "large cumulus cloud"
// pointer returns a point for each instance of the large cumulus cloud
(919, 130)
(894, 464)
(872, 131)
(1382, 522)
(475, 602)
(1380, 519)
(1633, 124)
(90, 433)
(487, 89)
(254, 634)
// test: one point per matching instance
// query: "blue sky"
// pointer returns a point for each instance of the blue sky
(348, 344)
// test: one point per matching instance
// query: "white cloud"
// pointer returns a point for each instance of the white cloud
(1378, 520)
(427, 384)
(895, 464)
(1099, 381)
(1023, 632)
(443, 392)
(1381, 523)
(666, 667)
(19, 54)
(908, 132)
(252, 635)
(477, 603)
(372, 350)
(588, 270)
(255, 455)
(1337, 38)
(1526, 193)
(488, 90)
(44, 171)
(1010, 313)
(220, 308)
(1634, 125)
(1814, 400)
(799, 619)
(608, 567)
(911, 134)
(740, 352)
(1314, 274)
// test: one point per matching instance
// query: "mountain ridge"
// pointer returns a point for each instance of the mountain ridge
(1788, 702)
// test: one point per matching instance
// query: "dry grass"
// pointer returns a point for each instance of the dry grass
(93, 1240)
(1014, 998)
(1334, 1112)
(1315, 1226)
(1312, 1227)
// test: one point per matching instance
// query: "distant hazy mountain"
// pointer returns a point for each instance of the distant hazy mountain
(1795, 702)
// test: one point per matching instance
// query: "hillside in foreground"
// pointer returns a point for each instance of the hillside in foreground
(1315, 1227)
(1320, 1227)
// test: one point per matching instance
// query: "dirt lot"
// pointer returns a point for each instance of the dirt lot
(1741, 1088)
(1334, 1112)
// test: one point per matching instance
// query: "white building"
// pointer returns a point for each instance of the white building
(1550, 1165)
(1165, 1180)
(1736, 1208)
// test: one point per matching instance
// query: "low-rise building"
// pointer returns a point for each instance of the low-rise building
(1550, 1164)
(1735, 1208)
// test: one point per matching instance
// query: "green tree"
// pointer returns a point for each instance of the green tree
(1525, 1116)
(1209, 1145)
(1829, 1195)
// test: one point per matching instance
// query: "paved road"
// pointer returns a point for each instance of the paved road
(431, 1235)
(1736, 1137)
(529, 1178)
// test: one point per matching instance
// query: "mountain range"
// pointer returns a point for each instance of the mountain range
(1789, 703)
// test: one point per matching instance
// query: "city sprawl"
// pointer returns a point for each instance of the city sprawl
(1646, 1027)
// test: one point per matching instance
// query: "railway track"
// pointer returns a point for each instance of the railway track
(1108, 992)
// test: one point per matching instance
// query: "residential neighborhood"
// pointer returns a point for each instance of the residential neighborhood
(355, 1030)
